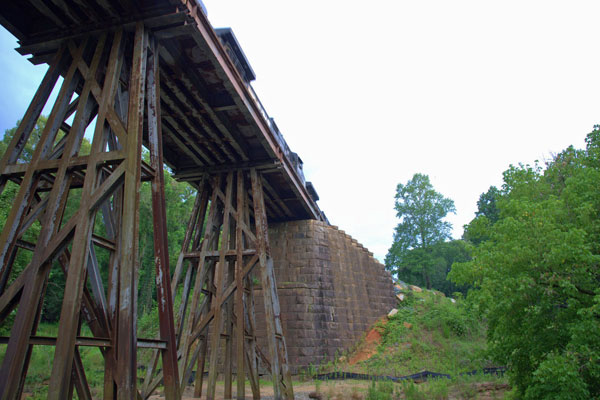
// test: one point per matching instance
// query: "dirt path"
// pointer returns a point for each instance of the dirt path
(301, 391)
(357, 390)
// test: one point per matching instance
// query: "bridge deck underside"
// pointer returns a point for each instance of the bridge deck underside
(211, 120)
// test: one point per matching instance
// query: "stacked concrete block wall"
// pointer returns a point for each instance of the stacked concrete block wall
(331, 289)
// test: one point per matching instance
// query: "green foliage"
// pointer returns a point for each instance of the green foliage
(438, 259)
(486, 215)
(486, 205)
(429, 332)
(36, 133)
(421, 211)
(557, 378)
(536, 272)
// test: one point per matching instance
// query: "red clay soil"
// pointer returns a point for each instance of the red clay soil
(369, 346)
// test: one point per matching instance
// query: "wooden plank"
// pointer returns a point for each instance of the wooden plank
(216, 254)
(277, 199)
(196, 172)
(239, 283)
(186, 91)
(249, 319)
(32, 216)
(21, 136)
(176, 116)
(215, 332)
(127, 312)
(60, 379)
(199, 379)
(80, 380)
(95, 280)
(197, 106)
(203, 267)
(282, 385)
(200, 202)
(45, 10)
(15, 362)
(174, 134)
(200, 326)
(19, 140)
(161, 247)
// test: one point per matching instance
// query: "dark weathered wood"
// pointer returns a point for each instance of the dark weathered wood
(209, 233)
(229, 251)
(19, 140)
(26, 190)
(282, 382)
(192, 174)
(239, 283)
(75, 282)
(217, 325)
(249, 319)
(213, 122)
(79, 378)
(127, 309)
(200, 369)
(15, 362)
(161, 248)
(187, 127)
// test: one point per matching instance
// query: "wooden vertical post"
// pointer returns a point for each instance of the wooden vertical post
(127, 311)
(240, 332)
(217, 326)
(282, 381)
(161, 248)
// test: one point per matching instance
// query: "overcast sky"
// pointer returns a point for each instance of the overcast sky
(369, 93)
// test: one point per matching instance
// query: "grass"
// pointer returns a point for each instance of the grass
(40, 366)
(429, 332)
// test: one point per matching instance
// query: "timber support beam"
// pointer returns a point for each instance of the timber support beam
(225, 256)
(82, 201)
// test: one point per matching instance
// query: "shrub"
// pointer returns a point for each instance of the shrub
(557, 378)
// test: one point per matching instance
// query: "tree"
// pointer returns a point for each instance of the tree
(486, 205)
(421, 211)
(439, 258)
(536, 276)
(487, 214)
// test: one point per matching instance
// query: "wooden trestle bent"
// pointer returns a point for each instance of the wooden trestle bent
(113, 77)
(225, 255)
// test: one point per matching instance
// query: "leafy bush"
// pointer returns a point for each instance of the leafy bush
(535, 273)
(557, 378)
